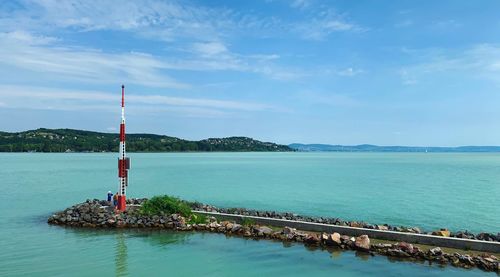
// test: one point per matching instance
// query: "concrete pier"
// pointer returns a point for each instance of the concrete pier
(459, 243)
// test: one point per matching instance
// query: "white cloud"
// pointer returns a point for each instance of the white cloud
(29, 52)
(82, 64)
(51, 98)
(446, 24)
(404, 23)
(479, 61)
(192, 28)
(172, 18)
(406, 78)
(28, 38)
(209, 48)
(300, 4)
(327, 98)
(349, 72)
(324, 24)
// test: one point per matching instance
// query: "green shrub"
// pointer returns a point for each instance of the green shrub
(164, 204)
(197, 219)
(247, 222)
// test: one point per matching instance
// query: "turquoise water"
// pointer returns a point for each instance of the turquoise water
(458, 191)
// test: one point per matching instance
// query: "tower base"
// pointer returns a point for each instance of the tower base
(122, 203)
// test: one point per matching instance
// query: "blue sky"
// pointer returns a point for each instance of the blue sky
(339, 72)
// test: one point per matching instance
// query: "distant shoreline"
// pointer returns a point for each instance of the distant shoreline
(392, 149)
(254, 152)
(44, 140)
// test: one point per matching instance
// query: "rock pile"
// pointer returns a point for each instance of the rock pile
(340, 222)
(98, 214)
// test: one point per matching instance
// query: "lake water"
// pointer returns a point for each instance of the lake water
(458, 191)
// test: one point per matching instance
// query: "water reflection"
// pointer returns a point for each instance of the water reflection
(121, 268)
(364, 256)
(165, 238)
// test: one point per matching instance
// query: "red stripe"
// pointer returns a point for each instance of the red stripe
(122, 168)
(122, 132)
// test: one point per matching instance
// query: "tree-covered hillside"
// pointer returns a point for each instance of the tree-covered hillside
(69, 140)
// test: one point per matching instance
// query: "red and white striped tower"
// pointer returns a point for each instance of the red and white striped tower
(123, 161)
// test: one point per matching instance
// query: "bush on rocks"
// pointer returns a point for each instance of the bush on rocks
(159, 205)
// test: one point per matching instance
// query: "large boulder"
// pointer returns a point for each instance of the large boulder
(415, 230)
(263, 231)
(465, 235)
(356, 224)
(288, 230)
(362, 243)
(442, 233)
(382, 227)
(406, 247)
(236, 227)
(312, 238)
(334, 239)
(229, 226)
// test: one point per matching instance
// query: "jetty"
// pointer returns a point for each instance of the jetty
(183, 216)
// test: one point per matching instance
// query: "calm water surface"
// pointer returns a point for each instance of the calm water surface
(458, 191)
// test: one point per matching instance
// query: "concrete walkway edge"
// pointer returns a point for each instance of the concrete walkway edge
(467, 244)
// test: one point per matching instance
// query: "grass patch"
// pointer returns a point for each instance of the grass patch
(165, 205)
(247, 222)
(197, 219)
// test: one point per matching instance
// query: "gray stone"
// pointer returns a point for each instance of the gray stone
(435, 251)
(311, 238)
(406, 247)
(263, 230)
(397, 253)
(288, 230)
(382, 227)
(235, 228)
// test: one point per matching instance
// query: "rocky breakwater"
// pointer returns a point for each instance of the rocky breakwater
(338, 221)
(98, 214)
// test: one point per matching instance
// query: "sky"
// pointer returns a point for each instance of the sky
(402, 72)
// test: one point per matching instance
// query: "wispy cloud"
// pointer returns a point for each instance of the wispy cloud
(446, 25)
(209, 48)
(170, 18)
(197, 32)
(404, 23)
(349, 72)
(53, 98)
(327, 99)
(479, 61)
(407, 78)
(300, 4)
(25, 51)
(323, 23)
(33, 53)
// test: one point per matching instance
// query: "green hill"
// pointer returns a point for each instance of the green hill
(69, 140)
